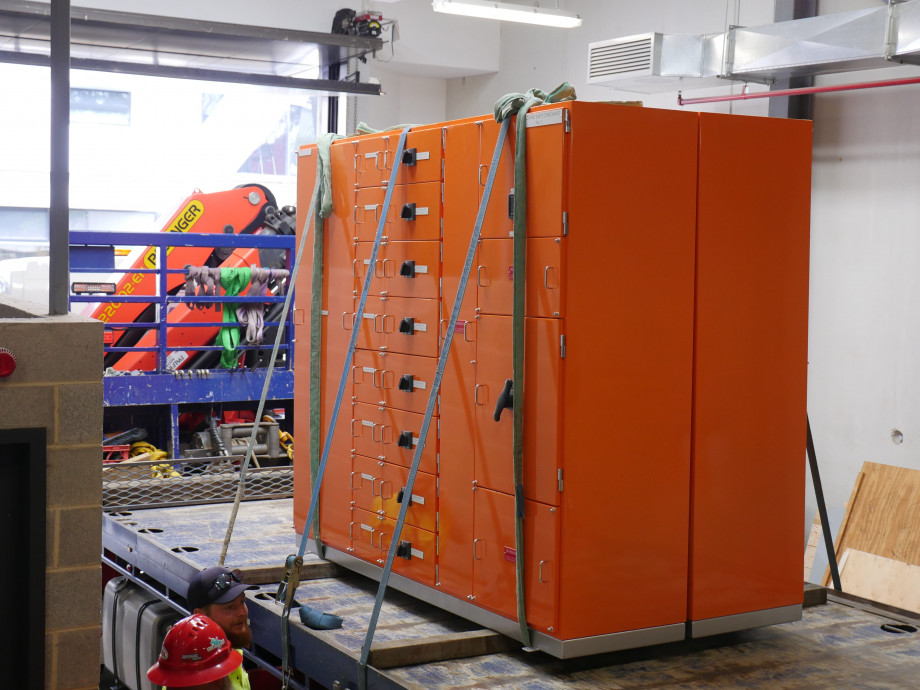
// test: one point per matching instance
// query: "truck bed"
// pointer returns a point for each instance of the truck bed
(836, 644)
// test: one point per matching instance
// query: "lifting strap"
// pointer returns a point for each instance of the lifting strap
(429, 410)
(505, 107)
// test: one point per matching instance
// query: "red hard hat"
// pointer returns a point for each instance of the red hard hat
(195, 651)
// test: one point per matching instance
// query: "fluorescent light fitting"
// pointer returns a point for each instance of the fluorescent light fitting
(508, 12)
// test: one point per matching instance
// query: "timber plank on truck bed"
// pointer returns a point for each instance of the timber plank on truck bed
(834, 645)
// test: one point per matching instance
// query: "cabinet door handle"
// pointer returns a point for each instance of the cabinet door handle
(479, 277)
(476, 394)
(540, 573)
(546, 277)
(476, 556)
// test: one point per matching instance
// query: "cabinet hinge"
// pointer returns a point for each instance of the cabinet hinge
(565, 222)
(568, 123)
(559, 477)
(562, 346)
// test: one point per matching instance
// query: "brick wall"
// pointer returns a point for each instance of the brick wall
(57, 385)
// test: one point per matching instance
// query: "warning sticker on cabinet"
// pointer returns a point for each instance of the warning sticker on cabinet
(510, 554)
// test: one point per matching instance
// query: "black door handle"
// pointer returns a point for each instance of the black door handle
(505, 399)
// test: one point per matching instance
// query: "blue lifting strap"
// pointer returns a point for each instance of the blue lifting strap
(432, 399)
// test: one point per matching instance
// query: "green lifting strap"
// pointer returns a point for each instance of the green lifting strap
(232, 280)
(518, 104)
(323, 210)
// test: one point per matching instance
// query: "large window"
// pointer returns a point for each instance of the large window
(138, 146)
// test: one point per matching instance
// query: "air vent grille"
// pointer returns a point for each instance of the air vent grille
(608, 60)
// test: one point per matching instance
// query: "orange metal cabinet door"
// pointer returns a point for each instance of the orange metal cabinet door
(544, 283)
(365, 529)
(374, 326)
(411, 325)
(402, 269)
(415, 212)
(400, 381)
(399, 437)
(461, 199)
(495, 558)
(366, 212)
(366, 426)
(498, 221)
(545, 279)
(542, 412)
(413, 269)
(365, 483)
(750, 360)
(421, 160)
(495, 276)
(368, 160)
(423, 508)
(417, 557)
(547, 175)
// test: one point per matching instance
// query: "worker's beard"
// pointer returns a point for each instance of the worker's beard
(240, 640)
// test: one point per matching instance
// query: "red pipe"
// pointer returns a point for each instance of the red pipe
(744, 95)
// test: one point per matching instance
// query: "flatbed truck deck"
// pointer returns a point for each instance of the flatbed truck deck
(840, 643)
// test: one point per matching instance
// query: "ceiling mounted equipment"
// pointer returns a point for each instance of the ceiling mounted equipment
(843, 42)
(510, 12)
(185, 48)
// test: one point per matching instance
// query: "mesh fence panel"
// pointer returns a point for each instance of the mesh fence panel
(150, 484)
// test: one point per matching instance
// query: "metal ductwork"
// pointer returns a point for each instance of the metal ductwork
(844, 42)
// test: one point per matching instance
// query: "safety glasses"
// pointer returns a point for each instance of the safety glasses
(225, 581)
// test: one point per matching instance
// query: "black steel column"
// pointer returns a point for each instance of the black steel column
(59, 226)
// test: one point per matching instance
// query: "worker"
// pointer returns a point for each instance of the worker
(195, 654)
(219, 594)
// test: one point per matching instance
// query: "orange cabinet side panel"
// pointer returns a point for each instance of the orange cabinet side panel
(627, 387)
(495, 556)
(750, 365)
(338, 258)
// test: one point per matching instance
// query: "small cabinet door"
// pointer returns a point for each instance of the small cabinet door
(544, 280)
(414, 212)
(379, 487)
(495, 558)
(393, 435)
(372, 535)
(375, 156)
(411, 325)
(396, 380)
(401, 269)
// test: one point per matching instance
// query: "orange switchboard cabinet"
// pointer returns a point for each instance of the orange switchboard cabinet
(664, 371)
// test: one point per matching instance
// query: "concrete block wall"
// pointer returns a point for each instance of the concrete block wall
(57, 385)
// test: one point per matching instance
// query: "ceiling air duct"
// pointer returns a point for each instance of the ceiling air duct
(844, 42)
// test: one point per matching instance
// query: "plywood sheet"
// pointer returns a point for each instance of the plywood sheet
(883, 515)
(881, 579)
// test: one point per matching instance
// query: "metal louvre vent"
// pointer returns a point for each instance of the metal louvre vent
(610, 59)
